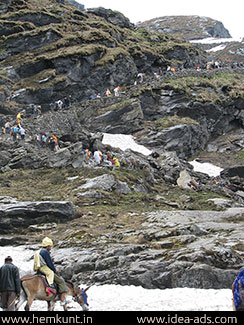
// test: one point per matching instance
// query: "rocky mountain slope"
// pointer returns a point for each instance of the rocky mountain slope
(187, 27)
(206, 33)
(227, 51)
(183, 239)
(140, 224)
(47, 48)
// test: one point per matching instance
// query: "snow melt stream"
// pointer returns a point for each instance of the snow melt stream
(131, 298)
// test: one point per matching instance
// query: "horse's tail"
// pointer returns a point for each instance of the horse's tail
(22, 297)
(23, 289)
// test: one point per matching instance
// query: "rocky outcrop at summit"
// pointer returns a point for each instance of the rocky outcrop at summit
(77, 4)
(187, 27)
(113, 17)
(205, 33)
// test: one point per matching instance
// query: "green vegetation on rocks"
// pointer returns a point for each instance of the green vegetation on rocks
(212, 87)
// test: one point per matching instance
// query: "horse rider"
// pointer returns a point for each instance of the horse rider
(43, 263)
(9, 284)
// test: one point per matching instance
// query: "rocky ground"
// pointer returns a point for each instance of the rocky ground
(129, 226)
(198, 249)
(139, 226)
(124, 226)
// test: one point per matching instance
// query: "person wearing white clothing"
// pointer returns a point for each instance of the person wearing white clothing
(22, 133)
(60, 105)
(116, 91)
(97, 156)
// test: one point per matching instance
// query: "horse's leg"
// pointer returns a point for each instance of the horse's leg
(85, 307)
(62, 297)
(27, 308)
(29, 298)
(22, 299)
(50, 305)
(29, 303)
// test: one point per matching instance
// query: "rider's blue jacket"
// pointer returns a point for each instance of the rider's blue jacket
(47, 258)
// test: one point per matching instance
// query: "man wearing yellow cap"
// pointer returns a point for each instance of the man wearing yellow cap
(44, 264)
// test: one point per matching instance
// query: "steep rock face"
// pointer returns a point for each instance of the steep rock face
(111, 16)
(233, 171)
(188, 27)
(4, 5)
(77, 4)
(183, 139)
(19, 44)
(196, 122)
(126, 117)
(161, 118)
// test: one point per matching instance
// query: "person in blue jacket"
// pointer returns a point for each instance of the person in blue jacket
(47, 267)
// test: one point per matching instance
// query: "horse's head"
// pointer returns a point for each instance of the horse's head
(80, 296)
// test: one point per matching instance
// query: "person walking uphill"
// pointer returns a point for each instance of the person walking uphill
(9, 284)
(43, 263)
(53, 142)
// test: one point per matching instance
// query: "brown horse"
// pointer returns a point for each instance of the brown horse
(33, 288)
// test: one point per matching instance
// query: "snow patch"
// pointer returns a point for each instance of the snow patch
(206, 168)
(212, 40)
(217, 48)
(123, 142)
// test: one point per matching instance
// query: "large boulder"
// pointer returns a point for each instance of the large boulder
(184, 139)
(169, 166)
(4, 158)
(184, 179)
(233, 171)
(122, 117)
(16, 215)
(104, 182)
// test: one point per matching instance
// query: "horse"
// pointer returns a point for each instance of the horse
(33, 288)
